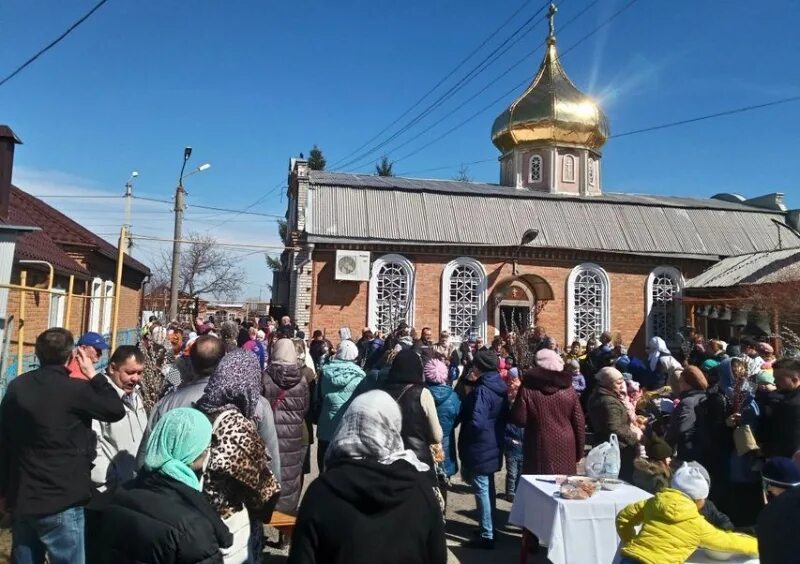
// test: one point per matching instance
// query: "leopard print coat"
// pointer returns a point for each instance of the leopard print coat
(237, 472)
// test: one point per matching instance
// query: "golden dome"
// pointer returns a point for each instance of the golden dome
(551, 109)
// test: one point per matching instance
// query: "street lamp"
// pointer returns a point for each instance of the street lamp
(128, 198)
(528, 237)
(180, 195)
(201, 168)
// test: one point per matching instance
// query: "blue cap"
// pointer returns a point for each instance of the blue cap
(92, 339)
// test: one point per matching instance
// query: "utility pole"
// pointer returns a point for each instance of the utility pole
(180, 194)
(128, 198)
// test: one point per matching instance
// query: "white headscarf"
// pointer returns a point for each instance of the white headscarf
(657, 348)
(370, 430)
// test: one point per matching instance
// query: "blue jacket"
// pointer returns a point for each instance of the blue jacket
(448, 406)
(484, 414)
(338, 382)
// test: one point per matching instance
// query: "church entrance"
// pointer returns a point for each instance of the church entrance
(517, 302)
(514, 318)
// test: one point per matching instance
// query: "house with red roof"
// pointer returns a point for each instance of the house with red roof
(81, 261)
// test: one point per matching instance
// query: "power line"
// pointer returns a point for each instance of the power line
(474, 72)
(708, 116)
(76, 196)
(696, 119)
(516, 87)
(244, 212)
(217, 243)
(496, 79)
(435, 86)
(53, 43)
(255, 203)
(434, 169)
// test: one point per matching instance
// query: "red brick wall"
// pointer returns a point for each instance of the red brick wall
(338, 304)
(37, 307)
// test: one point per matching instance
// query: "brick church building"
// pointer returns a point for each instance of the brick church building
(548, 245)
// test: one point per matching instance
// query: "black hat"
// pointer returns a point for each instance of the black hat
(485, 360)
(658, 449)
(407, 367)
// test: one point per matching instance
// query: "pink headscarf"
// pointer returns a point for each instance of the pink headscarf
(435, 371)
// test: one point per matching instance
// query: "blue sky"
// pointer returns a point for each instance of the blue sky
(249, 84)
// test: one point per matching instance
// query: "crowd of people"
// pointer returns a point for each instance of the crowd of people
(184, 446)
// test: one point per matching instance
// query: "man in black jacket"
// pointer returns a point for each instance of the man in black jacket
(46, 449)
(779, 428)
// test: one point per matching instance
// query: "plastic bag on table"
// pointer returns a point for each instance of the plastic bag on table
(604, 461)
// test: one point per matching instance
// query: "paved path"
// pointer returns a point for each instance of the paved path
(461, 520)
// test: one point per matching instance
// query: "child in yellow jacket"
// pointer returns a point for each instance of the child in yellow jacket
(671, 525)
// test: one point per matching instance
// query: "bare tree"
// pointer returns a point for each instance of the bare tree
(205, 269)
(463, 174)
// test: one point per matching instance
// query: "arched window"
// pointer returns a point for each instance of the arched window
(590, 172)
(664, 312)
(568, 174)
(391, 296)
(464, 299)
(535, 169)
(588, 302)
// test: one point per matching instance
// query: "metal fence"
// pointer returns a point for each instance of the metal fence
(30, 362)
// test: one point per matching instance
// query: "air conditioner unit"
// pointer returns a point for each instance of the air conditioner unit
(352, 265)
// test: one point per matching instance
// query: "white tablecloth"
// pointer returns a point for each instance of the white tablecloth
(574, 531)
(700, 557)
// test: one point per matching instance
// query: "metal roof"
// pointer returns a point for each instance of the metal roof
(66, 231)
(755, 268)
(350, 207)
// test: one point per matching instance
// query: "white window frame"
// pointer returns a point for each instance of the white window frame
(677, 276)
(564, 177)
(96, 305)
(606, 304)
(482, 291)
(531, 179)
(108, 306)
(372, 302)
(57, 299)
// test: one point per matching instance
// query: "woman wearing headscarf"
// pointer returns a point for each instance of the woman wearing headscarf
(662, 364)
(286, 389)
(338, 381)
(741, 499)
(448, 406)
(228, 332)
(162, 516)
(421, 429)
(306, 366)
(549, 409)
(688, 426)
(237, 479)
(609, 415)
(396, 523)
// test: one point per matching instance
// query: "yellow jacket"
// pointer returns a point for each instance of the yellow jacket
(672, 529)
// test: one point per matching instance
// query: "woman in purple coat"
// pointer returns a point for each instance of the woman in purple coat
(549, 409)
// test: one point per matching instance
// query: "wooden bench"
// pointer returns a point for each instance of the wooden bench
(283, 523)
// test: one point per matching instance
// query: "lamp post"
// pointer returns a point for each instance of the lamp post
(128, 198)
(180, 195)
(528, 237)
